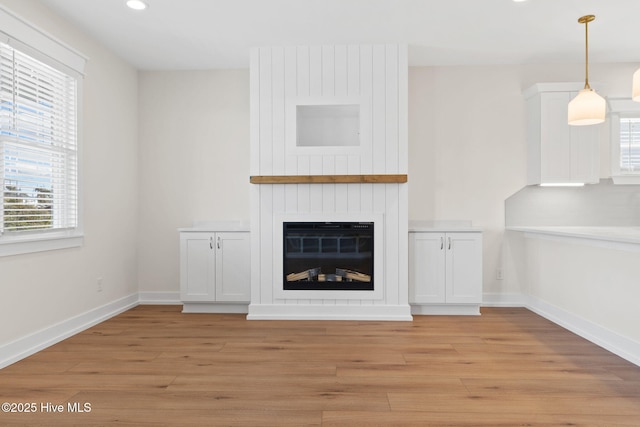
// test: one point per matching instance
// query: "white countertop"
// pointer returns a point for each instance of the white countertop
(442, 226)
(609, 234)
(217, 226)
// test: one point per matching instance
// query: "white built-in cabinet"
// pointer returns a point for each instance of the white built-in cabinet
(557, 152)
(215, 271)
(445, 272)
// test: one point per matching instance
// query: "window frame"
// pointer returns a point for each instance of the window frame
(621, 109)
(30, 40)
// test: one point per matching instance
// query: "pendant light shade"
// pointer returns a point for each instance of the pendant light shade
(587, 108)
(137, 4)
(635, 92)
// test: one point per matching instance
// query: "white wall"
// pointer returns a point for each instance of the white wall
(43, 289)
(604, 204)
(467, 152)
(194, 162)
(589, 287)
(593, 282)
(467, 145)
(465, 158)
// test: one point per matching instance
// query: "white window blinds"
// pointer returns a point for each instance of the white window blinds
(630, 145)
(38, 145)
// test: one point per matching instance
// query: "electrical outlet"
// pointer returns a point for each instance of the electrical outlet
(499, 274)
(99, 284)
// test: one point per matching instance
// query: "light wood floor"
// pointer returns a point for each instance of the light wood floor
(156, 366)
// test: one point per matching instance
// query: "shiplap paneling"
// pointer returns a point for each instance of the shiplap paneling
(365, 84)
(278, 108)
(375, 76)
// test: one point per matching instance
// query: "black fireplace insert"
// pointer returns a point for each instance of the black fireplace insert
(328, 256)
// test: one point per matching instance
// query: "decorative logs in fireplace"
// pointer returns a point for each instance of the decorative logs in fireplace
(340, 275)
(328, 256)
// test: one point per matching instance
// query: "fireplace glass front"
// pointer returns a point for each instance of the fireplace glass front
(328, 256)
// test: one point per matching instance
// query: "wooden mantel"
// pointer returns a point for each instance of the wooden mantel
(328, 179)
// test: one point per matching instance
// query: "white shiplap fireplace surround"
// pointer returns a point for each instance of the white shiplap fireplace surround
(374, 77)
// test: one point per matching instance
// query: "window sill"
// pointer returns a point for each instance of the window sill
(39, 244)
(626, 179)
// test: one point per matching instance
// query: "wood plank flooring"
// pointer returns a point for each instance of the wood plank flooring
(155, 366)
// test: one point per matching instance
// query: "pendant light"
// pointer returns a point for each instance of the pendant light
(587, 108)
(137, 4)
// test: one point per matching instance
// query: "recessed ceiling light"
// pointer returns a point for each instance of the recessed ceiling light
(136, 4)
(519, 1)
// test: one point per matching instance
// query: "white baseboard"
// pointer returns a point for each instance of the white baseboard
(446, 309)
(612, 341)
(609, 340)
(32, 343)
(159, 298)
(503, 300)
(220, 308)
(328, 312)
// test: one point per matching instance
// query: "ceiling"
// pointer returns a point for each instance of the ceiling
(205, 34)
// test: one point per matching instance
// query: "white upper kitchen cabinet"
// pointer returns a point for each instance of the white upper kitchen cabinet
(558, 153)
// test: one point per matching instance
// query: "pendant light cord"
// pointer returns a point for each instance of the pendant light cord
(585, 20)
(586, 55)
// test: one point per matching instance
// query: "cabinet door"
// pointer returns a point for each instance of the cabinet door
(464, 268)
(233, 267)
(555, 138)
(197, 267)
(558, 152)
(427, 268)
(585, 154)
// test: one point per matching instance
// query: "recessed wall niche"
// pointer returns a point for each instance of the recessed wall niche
(328, 125)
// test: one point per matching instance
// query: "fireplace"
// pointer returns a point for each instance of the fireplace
(342, 188)
(328, 256)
